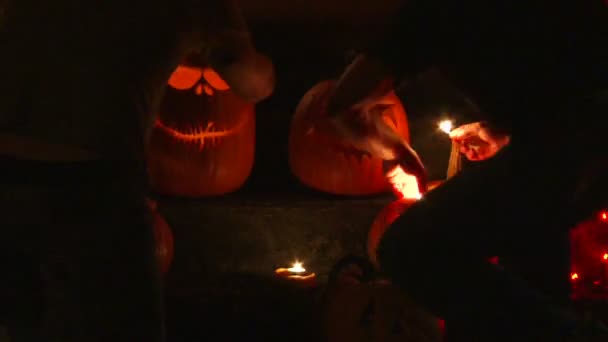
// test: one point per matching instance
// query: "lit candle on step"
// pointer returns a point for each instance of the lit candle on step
(297, 273)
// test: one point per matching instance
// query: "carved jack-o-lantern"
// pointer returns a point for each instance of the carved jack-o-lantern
(358, 307)
(322, 160)
(203, 140)
(383, 221)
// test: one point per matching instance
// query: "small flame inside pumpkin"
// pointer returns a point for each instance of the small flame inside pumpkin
(404, 185)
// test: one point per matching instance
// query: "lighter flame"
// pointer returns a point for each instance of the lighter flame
(446, 126)
(404, 184)
(297, 268)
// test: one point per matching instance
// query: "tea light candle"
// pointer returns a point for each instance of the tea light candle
(297, 273)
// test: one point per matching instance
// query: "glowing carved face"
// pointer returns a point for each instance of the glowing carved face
(203, 141)
(324, 161)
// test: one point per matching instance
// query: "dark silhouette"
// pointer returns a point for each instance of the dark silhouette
(538, 71)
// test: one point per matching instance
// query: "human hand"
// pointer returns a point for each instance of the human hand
(478, 141)
(365, 129)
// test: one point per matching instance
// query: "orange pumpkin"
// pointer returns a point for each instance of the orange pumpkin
(320, 159)
(387, 216)
(383, 221)
(204, 138)
(360, 307)
(163, 237)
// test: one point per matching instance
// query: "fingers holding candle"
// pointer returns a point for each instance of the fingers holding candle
(475, 140)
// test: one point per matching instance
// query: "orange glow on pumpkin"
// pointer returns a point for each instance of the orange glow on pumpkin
(200, 135)
(382, 223)
(185, 77)
(405, 186)
(214, 79)
(322, 160)
(203, 142)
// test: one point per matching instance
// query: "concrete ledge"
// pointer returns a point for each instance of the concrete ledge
(255, 234)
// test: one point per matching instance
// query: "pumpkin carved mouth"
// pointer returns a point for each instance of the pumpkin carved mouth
(201, 135)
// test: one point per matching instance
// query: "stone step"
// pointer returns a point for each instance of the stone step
(254, 234)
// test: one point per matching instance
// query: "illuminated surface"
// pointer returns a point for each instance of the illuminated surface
(296, 272)
(446, 126)
(405, 185)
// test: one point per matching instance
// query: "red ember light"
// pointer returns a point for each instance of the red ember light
(405, 186)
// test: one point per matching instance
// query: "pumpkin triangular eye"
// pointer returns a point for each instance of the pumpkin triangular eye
(184, 77)
(214, 79)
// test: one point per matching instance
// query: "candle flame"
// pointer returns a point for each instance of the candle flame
(605, 256)
(604, 216)
(297, 268)
(404, 185)
(446, 126)
(574, 276)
